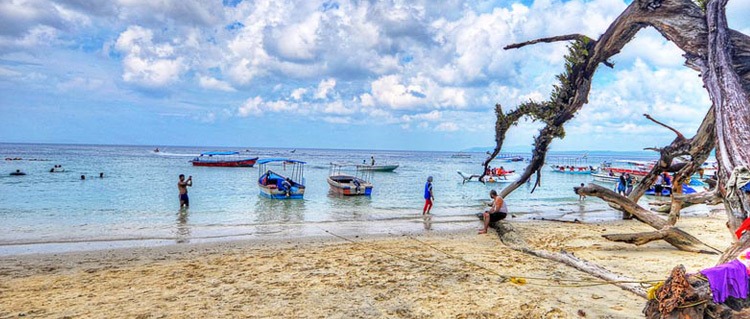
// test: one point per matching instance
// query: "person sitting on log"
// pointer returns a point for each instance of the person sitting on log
(496, 213)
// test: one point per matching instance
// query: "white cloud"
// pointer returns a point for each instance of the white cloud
(299, 41)
(252, 106)
(146, 63)
(298, 93)
(447, 127)
(337, 107)
(208, 82)
(325, 87)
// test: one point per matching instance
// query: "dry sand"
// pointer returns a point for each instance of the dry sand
(376, 277)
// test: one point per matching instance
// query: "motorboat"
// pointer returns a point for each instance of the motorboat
(508, 177)
(286, 182)
(379, 168)
(347, 184)
(572, 169)
(223, 159)
(667, 190)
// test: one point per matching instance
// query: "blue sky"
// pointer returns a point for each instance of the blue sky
(410, 75)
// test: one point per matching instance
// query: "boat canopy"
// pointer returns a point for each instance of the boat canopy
(219, 153)
(286, 160)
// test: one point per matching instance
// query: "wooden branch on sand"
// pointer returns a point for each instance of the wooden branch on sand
(512, 239)
(673, 235)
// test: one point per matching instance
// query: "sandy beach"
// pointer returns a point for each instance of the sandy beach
(425, 275)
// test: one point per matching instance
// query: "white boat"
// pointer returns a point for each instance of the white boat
(500, 179)
(348, 184)
(378, 168)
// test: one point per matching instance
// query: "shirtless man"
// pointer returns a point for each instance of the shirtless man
(497, 212)
(182, 187)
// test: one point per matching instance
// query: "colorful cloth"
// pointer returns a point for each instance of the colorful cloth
(727, 280)
(743, 227)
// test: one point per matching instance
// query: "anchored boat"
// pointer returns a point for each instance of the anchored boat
(223, 159)
(507, 177)
(274, 185)
(347, 184)
(379, 168)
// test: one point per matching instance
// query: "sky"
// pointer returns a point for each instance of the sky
(397, 75)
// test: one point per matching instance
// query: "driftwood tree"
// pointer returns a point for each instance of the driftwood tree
(722, 57)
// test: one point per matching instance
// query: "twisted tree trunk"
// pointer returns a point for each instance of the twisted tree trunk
(720, 54)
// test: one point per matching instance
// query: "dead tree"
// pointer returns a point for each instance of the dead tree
(719, 54)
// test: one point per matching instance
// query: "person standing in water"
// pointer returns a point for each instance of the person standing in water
(428, 197)
(372, 160)
(182, 186)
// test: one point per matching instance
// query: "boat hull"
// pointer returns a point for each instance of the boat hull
(238, 163)
(270, 191)
(378, 168)
(502, 179)
(583, 170)
(345, 185)
(606, 178)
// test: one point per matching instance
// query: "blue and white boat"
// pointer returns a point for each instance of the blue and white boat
(667, 190)
(272, 184)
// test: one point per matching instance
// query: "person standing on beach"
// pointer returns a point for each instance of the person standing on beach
(628, 184)
(428, 197)
(496, 213)
(182, 186)
(621, 187)
(658, 185)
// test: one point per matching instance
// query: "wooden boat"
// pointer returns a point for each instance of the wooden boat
(223, 159)
(277, 186)
(379, 168)
(611, 178)
(571, 169)
(347, 184)
(509, 177)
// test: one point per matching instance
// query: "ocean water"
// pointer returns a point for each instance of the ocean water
(136, 203)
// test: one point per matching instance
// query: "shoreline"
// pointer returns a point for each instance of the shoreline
(412, 275)
(215, 233)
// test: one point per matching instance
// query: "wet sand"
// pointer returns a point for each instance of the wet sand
(436, 274)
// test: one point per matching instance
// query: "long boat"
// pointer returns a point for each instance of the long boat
(570, 169)
(223, 159)
(508, 177)
(277, 186)
(347, 184)
(379, 168)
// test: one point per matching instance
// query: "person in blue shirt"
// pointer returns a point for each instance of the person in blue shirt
(428, 197)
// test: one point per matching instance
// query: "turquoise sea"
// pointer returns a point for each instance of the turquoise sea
(136, 203)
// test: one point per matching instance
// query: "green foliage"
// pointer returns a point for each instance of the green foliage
(702, 4)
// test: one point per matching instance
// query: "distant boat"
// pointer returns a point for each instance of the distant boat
(461, 155)
(156, 150)
(17, 173)
(569, 169)
(223, 159)
(508, 177)
(276, 186)
(349, 185)
(378, 168)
